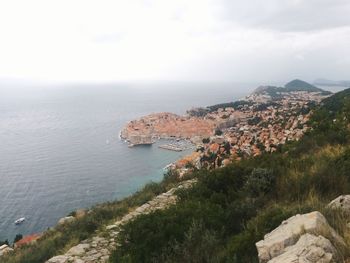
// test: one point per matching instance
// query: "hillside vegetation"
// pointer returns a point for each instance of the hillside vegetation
(300, 85)
(229, 209)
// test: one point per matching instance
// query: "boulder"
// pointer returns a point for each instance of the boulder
(5, 249)
(80, 213)
(309, 249)
(58, 259)
(65, 220)
(78, 250)
(110, 227)
(341, 202)
(289, 232)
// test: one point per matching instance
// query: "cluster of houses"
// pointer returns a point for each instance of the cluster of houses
(261, 123)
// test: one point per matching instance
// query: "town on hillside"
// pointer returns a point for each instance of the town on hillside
(260, 122)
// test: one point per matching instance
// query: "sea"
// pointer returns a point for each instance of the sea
(60, 148)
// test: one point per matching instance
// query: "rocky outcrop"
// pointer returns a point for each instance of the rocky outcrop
(309, 249)
(283, 242)
(98, 248)
(4, 249)
(65, 220)
(342, 202)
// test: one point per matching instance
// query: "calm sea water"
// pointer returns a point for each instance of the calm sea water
(60, 149)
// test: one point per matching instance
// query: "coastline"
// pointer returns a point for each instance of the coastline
(188, 162)
(217, 145)
(153, 172)
(223, 133)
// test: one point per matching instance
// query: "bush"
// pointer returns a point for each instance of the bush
(148, 236)
(261, 181)
(18, 237)
(199, 245)
(206, 140)
(218, 132)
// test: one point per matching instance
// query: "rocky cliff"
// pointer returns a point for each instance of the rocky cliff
(306, 238)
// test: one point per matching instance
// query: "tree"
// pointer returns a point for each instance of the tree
(259, 182)
(206, 140)
(218, 132)
(18, 237)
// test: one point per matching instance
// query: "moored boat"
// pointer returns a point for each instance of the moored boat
(20, 220)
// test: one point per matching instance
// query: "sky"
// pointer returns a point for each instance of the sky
(182, 40)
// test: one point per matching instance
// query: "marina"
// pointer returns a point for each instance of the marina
(177, 146)
(171, 147)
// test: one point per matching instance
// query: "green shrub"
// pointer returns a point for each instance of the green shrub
(18, 237)
(261, 181)
(199, 245)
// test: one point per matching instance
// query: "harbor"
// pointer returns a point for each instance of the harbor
(177, 146)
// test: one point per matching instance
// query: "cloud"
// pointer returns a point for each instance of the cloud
(197, 40)
(288, 15)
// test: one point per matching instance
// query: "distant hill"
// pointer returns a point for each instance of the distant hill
(300, 85)
(294, 85)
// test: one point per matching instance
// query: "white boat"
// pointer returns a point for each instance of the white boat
(20, 220)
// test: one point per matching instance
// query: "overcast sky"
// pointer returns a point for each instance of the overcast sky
(184, 40)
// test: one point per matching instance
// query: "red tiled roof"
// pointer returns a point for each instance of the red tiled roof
(28, 239)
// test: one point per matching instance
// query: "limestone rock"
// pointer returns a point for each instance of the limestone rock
(58, 259)
(309, 249)
(78, 249)
(80, 213)
(289, 232)
(67, 219)
(5, 249)
(110, 227)
(341, 202)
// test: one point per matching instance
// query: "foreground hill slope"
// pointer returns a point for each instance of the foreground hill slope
(230, 209)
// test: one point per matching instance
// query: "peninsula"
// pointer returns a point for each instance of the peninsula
(260, 122)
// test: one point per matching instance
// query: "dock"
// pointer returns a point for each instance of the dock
(171, 147)
(177, 146)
